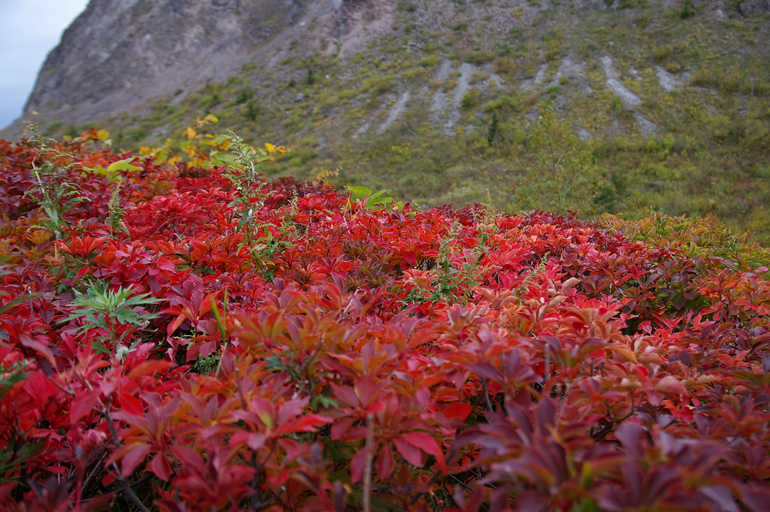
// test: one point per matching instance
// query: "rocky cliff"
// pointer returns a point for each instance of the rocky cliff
(119, 54)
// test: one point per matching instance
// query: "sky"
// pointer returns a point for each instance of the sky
(29, 29)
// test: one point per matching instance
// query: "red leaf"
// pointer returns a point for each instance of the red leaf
(134, 457)
(341, 426)
(256, 441)
(357, 464)
(130, 404)
(83, 404)
(532, 501)
(160, 466)
(410, 453)
(305, 423)
(384, 463)
(669, 384)
(457, 410)
(82, 272)
(173, 326)
(366, 388)
(426, 443)
(487, 371)
(152, 366)
(189, 457)
(167, 506)
(345, 394)
(38, 347)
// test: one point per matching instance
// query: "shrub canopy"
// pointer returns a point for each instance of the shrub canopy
(200, 339)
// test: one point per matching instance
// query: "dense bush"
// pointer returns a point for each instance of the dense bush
(198, 339)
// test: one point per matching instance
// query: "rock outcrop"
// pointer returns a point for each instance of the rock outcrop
(118, 54)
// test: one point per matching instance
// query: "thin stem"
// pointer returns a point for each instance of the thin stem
(486, 395)
(118, 476)
(369, 458)
(128, 490)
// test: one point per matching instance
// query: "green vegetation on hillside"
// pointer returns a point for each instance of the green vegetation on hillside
(700, 148)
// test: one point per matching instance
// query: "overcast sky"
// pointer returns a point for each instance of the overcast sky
(29, 29)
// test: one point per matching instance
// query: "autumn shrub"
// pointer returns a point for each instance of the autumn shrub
(392, 359)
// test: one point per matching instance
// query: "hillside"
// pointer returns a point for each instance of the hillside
(657, 106)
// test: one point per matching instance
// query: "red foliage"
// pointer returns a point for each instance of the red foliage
(336, 355)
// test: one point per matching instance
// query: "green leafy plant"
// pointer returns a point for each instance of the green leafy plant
(206, 365)
(116, 212)
(116, 314)
(373, 200)
(11, 374)
(112, 171)
(15, 456)
(243, 172)
(55, 193)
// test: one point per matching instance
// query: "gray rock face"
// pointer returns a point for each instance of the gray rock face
(118, 54)
(751, 7)
(117, 45)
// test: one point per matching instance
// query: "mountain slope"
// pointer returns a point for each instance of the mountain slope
(118, 54)
(657, 105)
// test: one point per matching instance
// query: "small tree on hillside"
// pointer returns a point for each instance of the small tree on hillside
(562, 175)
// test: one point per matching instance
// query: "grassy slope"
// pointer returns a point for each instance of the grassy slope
(709, 155)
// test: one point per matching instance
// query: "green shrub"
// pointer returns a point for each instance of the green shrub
(209, 102)
(478, 77)
(244, 95)
(616, 104)
(512, 103)
(552, 50)
(470, 99)
(732, 81)
(429, 61)
(661, 53)
(379, 85)
(415, 74)
(687, 10)
(632, 4)
(478, 57)
(702, 78)
(562, 175)
(504, 65)
(251, 110)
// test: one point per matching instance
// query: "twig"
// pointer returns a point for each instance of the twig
(468, 487)
(369, 458)
(118, 476)
(240, 389)
(486, 395)
(127, 489)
